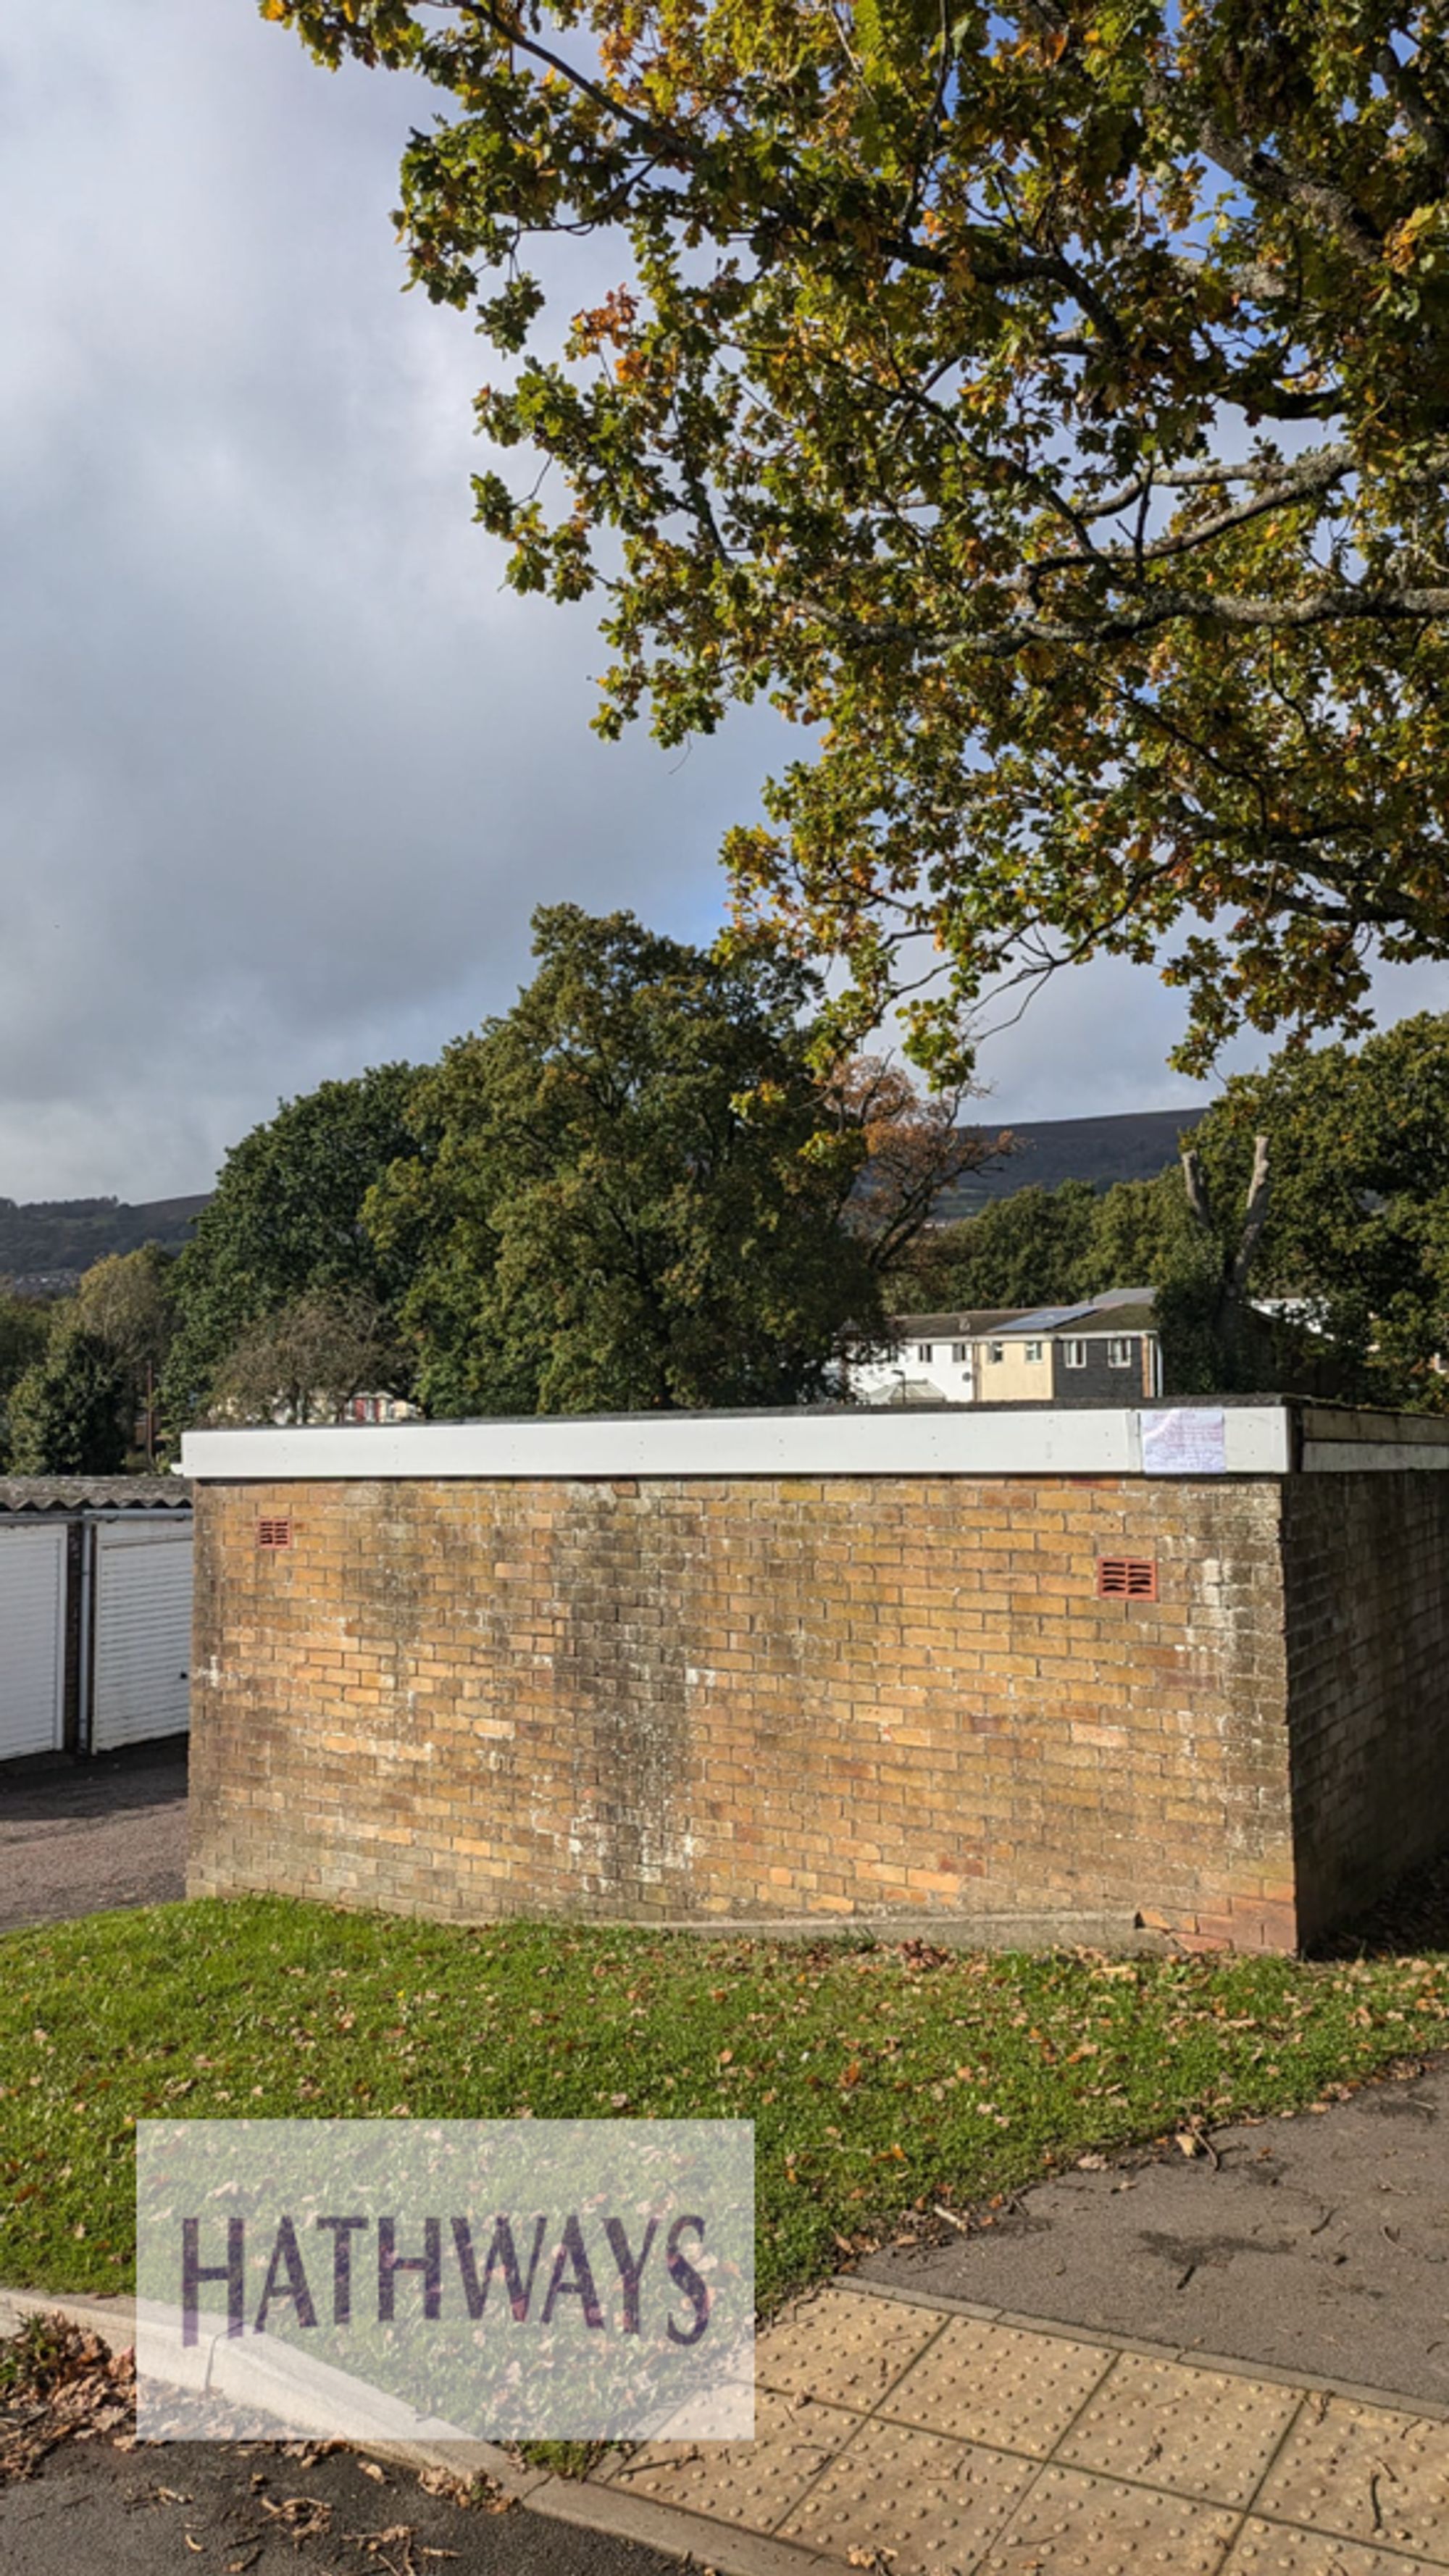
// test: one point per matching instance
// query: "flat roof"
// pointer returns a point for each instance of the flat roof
(1257, 1436)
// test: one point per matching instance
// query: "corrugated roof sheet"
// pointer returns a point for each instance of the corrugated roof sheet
(99, 1493)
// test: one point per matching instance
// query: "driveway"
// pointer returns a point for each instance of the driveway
(108, 1833)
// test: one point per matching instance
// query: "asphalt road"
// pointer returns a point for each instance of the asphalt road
(166, 2508)
(106, 1833)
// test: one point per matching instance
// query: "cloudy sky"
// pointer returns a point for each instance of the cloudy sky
(283, 771)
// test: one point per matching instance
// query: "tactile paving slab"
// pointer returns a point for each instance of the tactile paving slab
(751, 2484)
(1367, 2471)
(1070, 2524)
(846, 2350)
(1197, 2432)
(987, 2383)
(924, 2504)
(1262, 2549)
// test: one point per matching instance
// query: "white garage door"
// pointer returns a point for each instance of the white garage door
(32, 1641)
(143, 1634)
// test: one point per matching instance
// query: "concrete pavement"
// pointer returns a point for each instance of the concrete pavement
(1319, 2244)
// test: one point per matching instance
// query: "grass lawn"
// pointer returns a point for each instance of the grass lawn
(881, 2080)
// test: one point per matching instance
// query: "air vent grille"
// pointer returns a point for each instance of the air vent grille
(274, 1533)
(1127, 1578)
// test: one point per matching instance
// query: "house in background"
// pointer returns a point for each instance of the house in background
(1105, 1346)
(934, 1360)
(378, 1408)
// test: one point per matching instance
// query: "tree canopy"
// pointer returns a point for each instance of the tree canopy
(622, 1193)
(68, 1413)
(285, 1221)
(1356, 1237)
(1345, 1237)
(24, 1332)
(303, 1361)
(1045, 403)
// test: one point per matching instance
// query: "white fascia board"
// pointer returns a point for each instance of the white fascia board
(1257, 1439)
(962, 1441)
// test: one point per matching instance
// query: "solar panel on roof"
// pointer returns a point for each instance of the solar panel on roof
(1047, 1318)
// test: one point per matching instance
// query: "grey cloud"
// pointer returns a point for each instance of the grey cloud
(282, 770)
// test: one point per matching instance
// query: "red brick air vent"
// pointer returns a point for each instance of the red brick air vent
(1127, 1578)
(274, 1533)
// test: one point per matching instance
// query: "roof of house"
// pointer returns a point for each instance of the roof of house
(94, 1493)
(956, 1327)
(1116, 1310)
(1119, 1310)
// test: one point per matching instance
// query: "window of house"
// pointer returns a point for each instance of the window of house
(1074, 1354)
(1119, 1353)
(995, 1351)
(1033, 1350)
(960, 1353)
(925, 1350)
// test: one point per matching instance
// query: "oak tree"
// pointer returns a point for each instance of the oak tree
(285, 1222)
(623, 1192)
(1044, 402)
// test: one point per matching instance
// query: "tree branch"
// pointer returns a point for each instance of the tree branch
(1254, 1221)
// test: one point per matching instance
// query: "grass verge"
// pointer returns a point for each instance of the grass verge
(882, 2081)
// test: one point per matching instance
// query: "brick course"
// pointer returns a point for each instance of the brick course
(760, 1699)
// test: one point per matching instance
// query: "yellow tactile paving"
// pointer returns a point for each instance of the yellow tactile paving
(748, 2483)
(909, 2440)
(1262, 2549)
(922, 2503)
(1370, 2472)
(988, 2383)
(1074, 2525)
(1195, 2432)
(843, 2349)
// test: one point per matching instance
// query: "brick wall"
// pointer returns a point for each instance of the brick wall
(1366, 1578)
(760, 1699)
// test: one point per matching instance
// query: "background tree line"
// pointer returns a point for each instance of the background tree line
(636, 1189)
(1350, 1242)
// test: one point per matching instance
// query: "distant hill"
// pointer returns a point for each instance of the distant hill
(45, 1244)
(1134, 1146)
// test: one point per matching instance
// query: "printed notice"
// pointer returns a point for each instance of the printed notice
(1187, 1441)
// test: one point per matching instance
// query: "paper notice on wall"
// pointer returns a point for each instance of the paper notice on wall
(1188, 1440)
